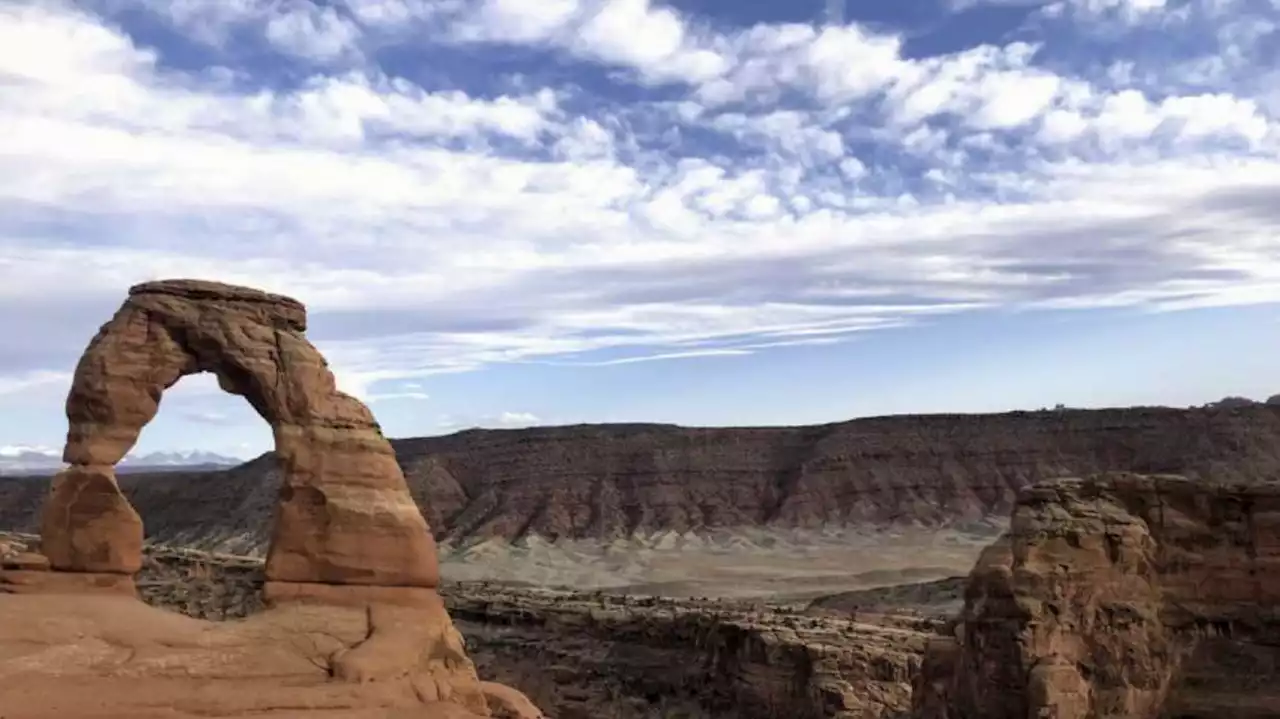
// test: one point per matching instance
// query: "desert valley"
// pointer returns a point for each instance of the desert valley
(1063, 563)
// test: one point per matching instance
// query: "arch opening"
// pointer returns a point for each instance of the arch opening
(199, 425)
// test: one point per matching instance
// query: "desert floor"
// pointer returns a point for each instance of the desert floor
(746, 563)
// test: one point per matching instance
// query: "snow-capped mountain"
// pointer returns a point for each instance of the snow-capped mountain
(19, 459)
(179, 459)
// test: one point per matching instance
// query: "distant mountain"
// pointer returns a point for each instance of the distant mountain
(43, 460)
(180, 459)
(1236, 402)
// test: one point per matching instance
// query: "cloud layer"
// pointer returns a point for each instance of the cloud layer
(458, 183)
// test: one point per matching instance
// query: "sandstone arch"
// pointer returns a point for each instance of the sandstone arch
(344, 514)
(382, 645)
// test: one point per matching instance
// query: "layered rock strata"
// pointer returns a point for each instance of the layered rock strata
(609, 481)
(1117, 596)
(355, 626)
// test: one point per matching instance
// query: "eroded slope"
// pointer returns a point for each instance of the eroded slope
(602, 482)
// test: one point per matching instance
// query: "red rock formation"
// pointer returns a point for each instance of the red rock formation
(605, 481)
(1119, 596)
(351, 569)
(344, 516)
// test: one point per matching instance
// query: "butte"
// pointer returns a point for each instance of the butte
(354, 625)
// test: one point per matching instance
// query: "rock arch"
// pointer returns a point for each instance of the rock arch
(344, 514)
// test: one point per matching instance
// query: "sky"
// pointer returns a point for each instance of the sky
(505, 213)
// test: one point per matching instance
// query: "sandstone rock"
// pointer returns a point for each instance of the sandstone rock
(344, 513)
(36, 579)
(347, 595)
(74, 657)
(507, 703)
(25, 561)
(1107, 594)
(88, 525)
(355, 627)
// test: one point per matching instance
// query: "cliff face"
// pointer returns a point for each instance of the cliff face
(577, 656)
(1119, 596)
(606, 481)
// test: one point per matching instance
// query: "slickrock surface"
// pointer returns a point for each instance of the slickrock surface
(603, 482)
(1120, 596)
(353, 627)
(601, 656)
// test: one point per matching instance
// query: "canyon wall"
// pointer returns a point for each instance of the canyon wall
(607, 481)
(1117, 596)
(584, 657)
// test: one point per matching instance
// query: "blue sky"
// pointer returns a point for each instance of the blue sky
(508, 212)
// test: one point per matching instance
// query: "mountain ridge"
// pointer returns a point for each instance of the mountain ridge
(605, 482)
(18, 460)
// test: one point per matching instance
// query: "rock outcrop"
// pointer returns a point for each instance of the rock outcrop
(607, 481)
(591, 655)
(356, 625)
(1117, 596)
(578, 654)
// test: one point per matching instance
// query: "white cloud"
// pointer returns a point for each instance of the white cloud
(505, 420)
(298, 28)
(517, 419)
(1128, 117)
(207, 417)
(652, 39)
(1129, 11)
(649, 37)
(23, 382)
(19, 450)
(791, 132)
(836, 64)
(688, 354)
(312, 32)
(842, 187)
(1060, 126)
(518, 22)
(391, 15)
(408, 391)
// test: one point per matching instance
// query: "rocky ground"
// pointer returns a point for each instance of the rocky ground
(593, 655)
(1134, 597)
